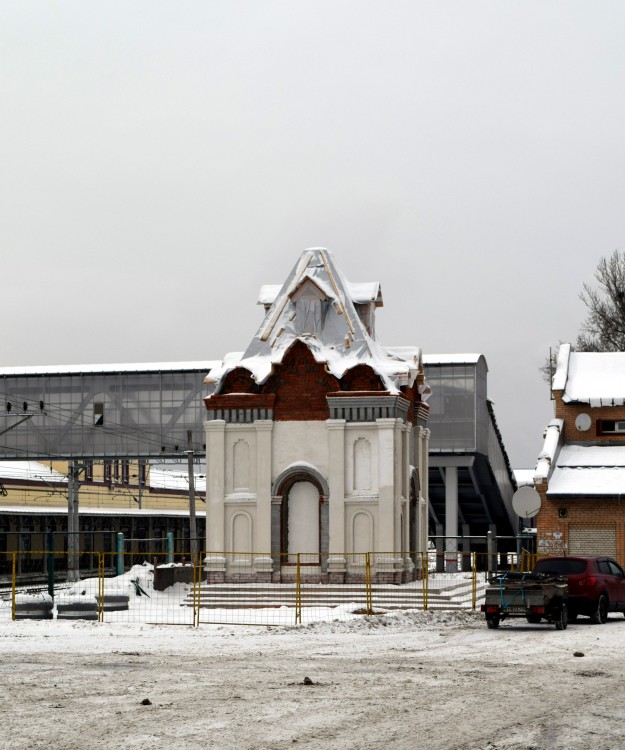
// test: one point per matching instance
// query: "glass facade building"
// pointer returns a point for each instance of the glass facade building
(150, 411)
(469, 472)
(458, 418)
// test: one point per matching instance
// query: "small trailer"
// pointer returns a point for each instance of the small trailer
(535, 596)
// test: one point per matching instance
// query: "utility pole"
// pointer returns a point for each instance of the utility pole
(192, 523)
(73, 523)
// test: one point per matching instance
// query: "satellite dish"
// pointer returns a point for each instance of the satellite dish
(526, 502)
(583, 422)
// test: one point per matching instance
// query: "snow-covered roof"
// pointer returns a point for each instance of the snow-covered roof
(592, 470)
(524, 477)
(360, 293)
(174, 480)
(551, 448)
(78, 369)
(365, 292)
(594, 378)
(268, 293)
(316, 305)
(451, 359)
(30, 471)
(33, 471)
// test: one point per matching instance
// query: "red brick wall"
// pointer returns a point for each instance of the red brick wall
(568, 412)
(240, 401)
(580, 514)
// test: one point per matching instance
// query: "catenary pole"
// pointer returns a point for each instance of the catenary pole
(192, 522)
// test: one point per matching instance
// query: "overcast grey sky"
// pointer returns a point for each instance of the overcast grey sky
(160, 161)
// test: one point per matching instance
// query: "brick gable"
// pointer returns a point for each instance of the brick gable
(301, 385)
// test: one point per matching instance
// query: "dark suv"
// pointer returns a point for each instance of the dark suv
(596, 584)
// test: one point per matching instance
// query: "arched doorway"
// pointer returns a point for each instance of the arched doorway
(300, 522)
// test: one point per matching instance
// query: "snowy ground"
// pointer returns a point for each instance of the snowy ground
(430, 680)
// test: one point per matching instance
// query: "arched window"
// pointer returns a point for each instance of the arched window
(241, 533)
(362, 533)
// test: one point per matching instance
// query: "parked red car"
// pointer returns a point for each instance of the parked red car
(596, 584)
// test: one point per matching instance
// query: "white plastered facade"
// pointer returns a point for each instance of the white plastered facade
(367, 471)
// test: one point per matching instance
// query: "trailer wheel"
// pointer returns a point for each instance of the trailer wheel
(492, 622)
(563, 619)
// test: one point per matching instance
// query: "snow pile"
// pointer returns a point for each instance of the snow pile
(399, 621)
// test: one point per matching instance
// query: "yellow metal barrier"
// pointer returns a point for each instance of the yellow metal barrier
(13, 568)
(255, 588)
(473, 582)
(298, 592)
(425, 573)
(369, 597)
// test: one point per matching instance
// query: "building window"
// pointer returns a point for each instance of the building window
(107, 472)
(125, 471)
(610, 426)
(98, 413)
(88, 471)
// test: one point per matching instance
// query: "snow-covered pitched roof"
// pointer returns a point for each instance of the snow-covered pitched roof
(365, 292)
(594, 378)
(316, 305)
(589, 470)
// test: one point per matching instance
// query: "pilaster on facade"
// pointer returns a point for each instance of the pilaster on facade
(263, 430)
(336, 484)
(215, 484)
(386, 483)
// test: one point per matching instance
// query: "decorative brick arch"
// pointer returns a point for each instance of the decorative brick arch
(361, 378)
(300, 472)
(239, 380)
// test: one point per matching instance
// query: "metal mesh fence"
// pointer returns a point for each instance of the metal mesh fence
(158, 586)
(34, 590)
(240, 589)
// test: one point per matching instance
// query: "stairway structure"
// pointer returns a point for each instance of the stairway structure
(451, 594)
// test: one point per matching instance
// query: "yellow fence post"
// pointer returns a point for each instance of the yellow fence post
(13, 585)
(473, 581)
(100, 587)
(298, 593)
(368, 592)
(425, 577)
(197, 582)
